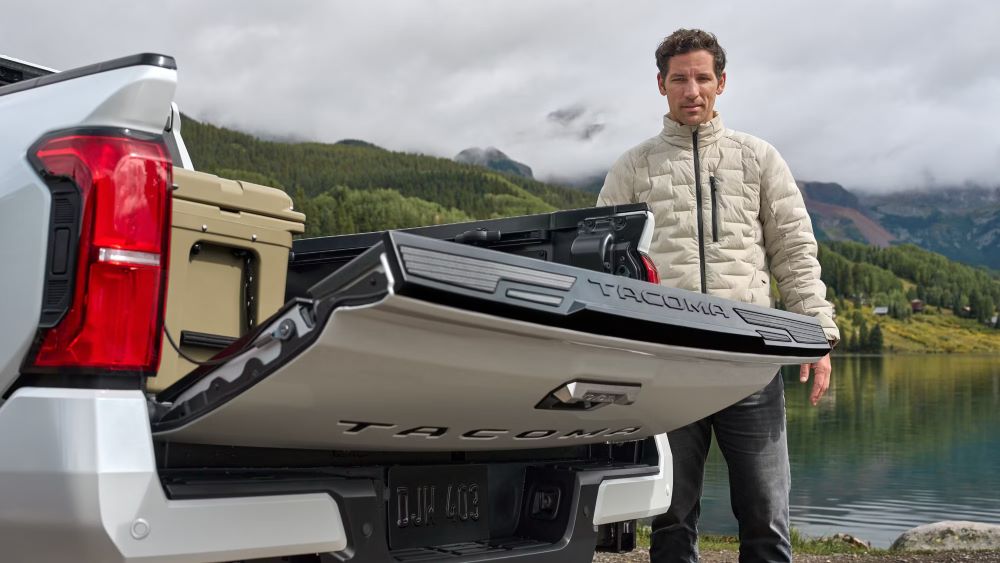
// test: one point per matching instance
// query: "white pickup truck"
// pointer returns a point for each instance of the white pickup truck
(479, 392)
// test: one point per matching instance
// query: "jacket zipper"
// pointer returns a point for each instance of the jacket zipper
(715, 209)
(701, 228)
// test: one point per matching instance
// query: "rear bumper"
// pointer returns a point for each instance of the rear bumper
(79, 481)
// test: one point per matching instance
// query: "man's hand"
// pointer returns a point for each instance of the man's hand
(821, 381)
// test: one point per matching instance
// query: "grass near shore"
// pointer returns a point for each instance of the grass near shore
(937, 330)
(801, 544)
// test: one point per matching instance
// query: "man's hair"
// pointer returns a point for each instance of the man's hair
(685, 41)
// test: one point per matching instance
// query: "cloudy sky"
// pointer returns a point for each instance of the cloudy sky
(875, 95)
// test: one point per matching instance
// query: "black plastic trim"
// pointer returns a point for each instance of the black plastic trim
(600, 239)
(206, 340)
(801, 332)
(65, 214)
(609, 305)
(569, 219)
(361, 496)
(13, 71)
(141, 59)
(123, 381)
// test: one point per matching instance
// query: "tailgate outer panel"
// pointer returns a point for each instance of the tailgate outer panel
(408, 372)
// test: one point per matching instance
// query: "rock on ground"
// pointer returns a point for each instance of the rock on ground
(949, 535)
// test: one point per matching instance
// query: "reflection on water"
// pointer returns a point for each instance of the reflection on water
(899, 441)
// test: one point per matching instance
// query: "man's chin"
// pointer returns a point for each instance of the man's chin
(689, 119)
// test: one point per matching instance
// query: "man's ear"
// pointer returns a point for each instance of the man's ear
(722, 84)
(659, 84)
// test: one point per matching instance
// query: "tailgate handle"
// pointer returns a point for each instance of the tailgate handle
(590, 395)
(478, 236)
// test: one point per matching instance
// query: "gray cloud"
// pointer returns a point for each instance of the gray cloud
(577, 122)
(566, 116)
(872, 95)
(591, 131)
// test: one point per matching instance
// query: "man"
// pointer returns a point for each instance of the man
(728, 216)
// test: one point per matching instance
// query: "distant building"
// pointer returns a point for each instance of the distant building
(917, 306)
(881, 311)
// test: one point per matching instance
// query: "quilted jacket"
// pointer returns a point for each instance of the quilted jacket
(728, 216)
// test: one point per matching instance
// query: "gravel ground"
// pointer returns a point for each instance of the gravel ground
(642, 555)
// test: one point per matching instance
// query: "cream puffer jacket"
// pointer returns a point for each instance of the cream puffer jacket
(728, 216)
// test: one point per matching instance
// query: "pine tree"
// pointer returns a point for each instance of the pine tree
(863, 337)
(875, 340)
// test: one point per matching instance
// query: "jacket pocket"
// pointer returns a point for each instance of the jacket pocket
(712, 183)
(759, 291)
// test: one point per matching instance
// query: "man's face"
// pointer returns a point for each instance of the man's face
(691, 87)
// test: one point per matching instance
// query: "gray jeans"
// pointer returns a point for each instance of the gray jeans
(751, 435)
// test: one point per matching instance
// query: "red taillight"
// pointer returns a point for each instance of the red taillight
(652, 274)
(116, 316)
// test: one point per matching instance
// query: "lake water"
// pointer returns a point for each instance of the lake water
(897, 442)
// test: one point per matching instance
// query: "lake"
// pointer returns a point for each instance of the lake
(897, 442)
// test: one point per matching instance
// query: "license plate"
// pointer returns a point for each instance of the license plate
(437, 505)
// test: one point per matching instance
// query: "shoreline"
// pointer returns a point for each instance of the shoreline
(837, 548)
(641, 555)
(836, 354)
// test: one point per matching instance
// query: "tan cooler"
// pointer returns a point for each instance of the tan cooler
(228, 262)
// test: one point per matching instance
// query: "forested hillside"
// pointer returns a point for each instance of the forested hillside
(894, 276)
(448, 190)
(955, 312)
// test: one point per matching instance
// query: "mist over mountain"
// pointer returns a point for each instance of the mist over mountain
(591, 183)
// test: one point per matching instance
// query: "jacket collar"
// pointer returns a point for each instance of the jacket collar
(681, 135)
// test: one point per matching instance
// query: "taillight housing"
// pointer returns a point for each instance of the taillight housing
(652, 274)
(114, 321)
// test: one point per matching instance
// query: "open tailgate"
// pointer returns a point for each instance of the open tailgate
(422, 344)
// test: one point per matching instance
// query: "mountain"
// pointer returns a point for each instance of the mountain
(838, 215)
(961, 223)
(494, 159)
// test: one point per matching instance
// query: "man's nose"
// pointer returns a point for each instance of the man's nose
(691, 89)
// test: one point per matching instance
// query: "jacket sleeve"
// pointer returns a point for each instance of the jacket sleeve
(619, 186)
(791, 245)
